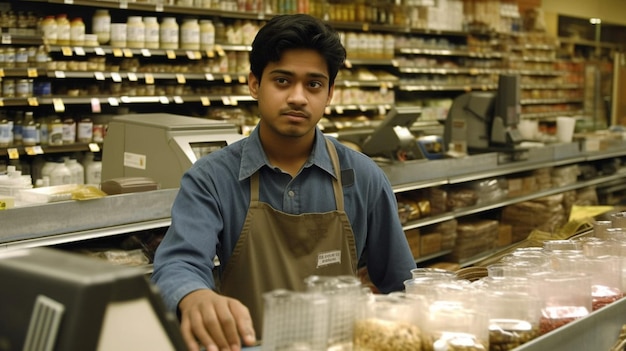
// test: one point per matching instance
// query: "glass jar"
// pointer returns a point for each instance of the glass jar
(118, 35)
(168, 33)
(135, 32)
(101, 25)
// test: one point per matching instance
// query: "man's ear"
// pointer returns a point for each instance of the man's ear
(253, 85)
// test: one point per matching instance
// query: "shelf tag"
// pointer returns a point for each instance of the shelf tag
(228, 78)
(32, 73)
(59, 74)
(38, 150)
(339, 109)
(128, 53)
(116, 77)
(327, 110)
(178, 100)
(117, 52)
(13, 153)
(94, 147)
(209, 76)
(66, 50)
(205, 101)
(79, 51)
(180, 78)
(1, 72)
(242, 79)
(32, 101)
(123, 4)
(164, 100)
(99, 51)
(95, 105)
(190, 54)
(382, 110)
(348, 64)
(30, 150)
(98, 75)
(394, 63)
(170, 54)
(210, 53)
(159, 8)
(146, 53)
(347, 83)
(473, 71)
(225, 100)
(113, 101)
(6, 39)
(59, 106)
(365, 27)
(363, 108)
(68, 2)
(1, 102)
(132, 76)
(149, 78)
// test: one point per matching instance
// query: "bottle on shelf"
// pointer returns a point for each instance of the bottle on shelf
(119, 35)
(101, 25)
(29, 130)
(63, 29)
(48, 29)
(93, 170)
(190, 34)
(168, 33)
(69, 131)
(76, 169)
(207, 35)
(18, 128)
(55, 135)
(77, 32)
(84, 130)
(135, 32)
(151, 32)
(60, 174)
(6, 132)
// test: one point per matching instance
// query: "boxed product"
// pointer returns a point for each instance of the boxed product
(430, 243)
(475, 237)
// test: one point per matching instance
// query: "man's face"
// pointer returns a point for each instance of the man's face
(292, 93)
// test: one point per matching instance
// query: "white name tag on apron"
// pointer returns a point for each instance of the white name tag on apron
(328, 258)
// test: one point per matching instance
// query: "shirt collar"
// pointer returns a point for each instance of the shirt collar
(253, 156)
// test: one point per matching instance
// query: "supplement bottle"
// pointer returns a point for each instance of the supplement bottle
(77, 171)
(118, 35)
(190, 34)
(93, 171)
(135, 32)
(55, 132)
(207, 35)
(29, 130)
(60, 174)
(168, 34)
(101, 26)
(84, 130)
(151, 32)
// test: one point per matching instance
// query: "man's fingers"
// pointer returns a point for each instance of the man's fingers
(245, 327)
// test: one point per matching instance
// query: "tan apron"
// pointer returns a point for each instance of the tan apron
(278, 250)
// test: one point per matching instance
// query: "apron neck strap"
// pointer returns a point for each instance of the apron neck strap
(334, 158)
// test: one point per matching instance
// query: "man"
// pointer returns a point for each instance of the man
(281, 205)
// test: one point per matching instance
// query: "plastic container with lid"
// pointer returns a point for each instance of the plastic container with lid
(69, 131)
(101, 25)
(190, 34)
(77, 32)
(29, 130)
(63, 29)
(60, 174)
(135, 32)
(84, 130)
(118, 35)
(76, 169)
(151, 32)
(48, 28)
(93, 171)
(207, 35)
(168, 33)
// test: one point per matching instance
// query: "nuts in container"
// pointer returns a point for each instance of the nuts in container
(389, 323)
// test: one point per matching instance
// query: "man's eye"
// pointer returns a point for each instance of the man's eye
(315, 84)
(281, 81)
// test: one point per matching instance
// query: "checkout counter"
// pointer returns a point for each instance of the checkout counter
(161, 146)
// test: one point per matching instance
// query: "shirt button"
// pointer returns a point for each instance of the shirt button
(291, 193)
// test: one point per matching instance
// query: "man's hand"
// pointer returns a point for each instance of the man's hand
(217, 322)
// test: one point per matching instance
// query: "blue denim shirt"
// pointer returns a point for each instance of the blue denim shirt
(211, 206)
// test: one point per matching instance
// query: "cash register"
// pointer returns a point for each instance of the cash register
(161, 146)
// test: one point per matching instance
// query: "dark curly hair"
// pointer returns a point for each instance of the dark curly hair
(298, 31)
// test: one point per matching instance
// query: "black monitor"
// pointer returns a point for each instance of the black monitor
(57, 300)
(485, 120)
